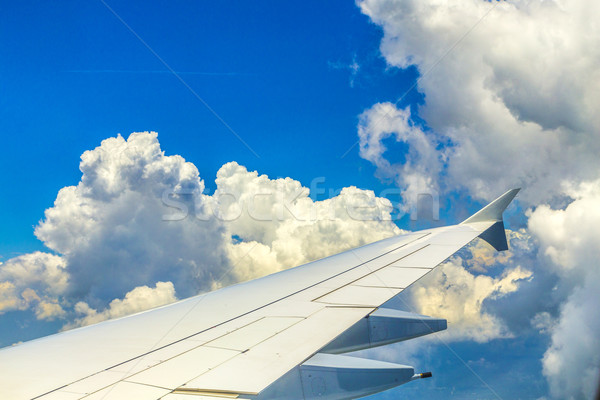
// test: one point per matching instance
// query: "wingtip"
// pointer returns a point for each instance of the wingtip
(511, 192)
(493, 211)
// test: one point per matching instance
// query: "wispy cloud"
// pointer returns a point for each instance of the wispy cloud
(353, 68)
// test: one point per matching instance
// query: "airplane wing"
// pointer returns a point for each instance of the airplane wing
(278, 337)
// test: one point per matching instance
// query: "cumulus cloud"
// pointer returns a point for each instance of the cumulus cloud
(511, 92)
(569, 238)
(551, 276)
(514, 91)
(422, 163)
(484, 256)
(454, 293)
(570, 244)
(139, 299)
(139, 218)
(112, 231)
(572, 363)
(36, 280)
(281, 226)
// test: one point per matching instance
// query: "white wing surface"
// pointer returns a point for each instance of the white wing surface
(278, 337)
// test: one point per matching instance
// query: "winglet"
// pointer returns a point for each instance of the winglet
(494, 210)
(495, 234)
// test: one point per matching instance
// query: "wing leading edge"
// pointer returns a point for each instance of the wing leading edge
(281, 336)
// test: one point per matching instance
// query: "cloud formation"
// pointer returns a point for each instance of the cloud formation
(139, 299)
(37, 280)
(453, 293)
(282, 224)
(110, 227)
(422, 161)
(511, 92)
(138, 229)
(514, 91)
(569, 243)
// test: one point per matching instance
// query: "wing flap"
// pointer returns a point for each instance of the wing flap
(194, 396)
(175, 372)
(254, 370)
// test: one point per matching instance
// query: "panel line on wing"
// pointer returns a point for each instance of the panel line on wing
(251, 372)
(369, 273)
(130, 373)
(382, 286)
(129, 390)
(175, 372)
(418, 237)
(252, 334)
(261, 329)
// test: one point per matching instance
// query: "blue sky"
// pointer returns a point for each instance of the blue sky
(300, 84)
(74, 75)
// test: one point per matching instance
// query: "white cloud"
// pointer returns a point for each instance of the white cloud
(572, 363)
(37, 270)
(569, 238)
(113, 219)
(453, 293)
(483, 256)
(556, 295)
(49, 310)
(111, 229)
(511, 98)
(517, 97)
(9, 299)
(36, 280)
(281, 226)
(543, 322)
(138, 217)
(418, 172)
(570, 244)
(139, 299)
